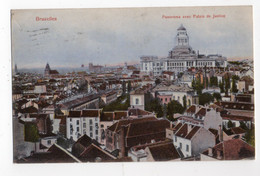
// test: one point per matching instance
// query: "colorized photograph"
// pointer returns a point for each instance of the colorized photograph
(132, 84)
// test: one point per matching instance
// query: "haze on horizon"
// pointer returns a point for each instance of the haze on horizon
(112, 36)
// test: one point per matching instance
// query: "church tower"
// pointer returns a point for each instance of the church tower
(47, 70)
(182, 36)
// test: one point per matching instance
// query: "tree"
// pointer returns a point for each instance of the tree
(172, 108)
(124, 87)
(31, 132)
(221, 86)
(217, 96)
(227, 85)
(230, 124)
(184, 102)
(157, 81)
(154, 106)
(197, 86)
(205, 98)
(243, 125)
(250, 136)
(129, 87)
(234, 86)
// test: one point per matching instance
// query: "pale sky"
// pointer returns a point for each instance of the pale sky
(112, 36)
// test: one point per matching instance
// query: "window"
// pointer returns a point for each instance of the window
(77, 129)
(96, 138)
(84, 125)
(180, 145)
(96, 125)
(90, 122)
(96, 132)
(136, 101)
(102, 126)
(84, 131)
(175, 138)
(187, 148)
(70, 119)
(77, 122)
(91, 135)
(49, 142)
(90, 128)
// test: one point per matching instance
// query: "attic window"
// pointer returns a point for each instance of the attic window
(242, 107)
(226, 106)
(252, 107)
(234, 106)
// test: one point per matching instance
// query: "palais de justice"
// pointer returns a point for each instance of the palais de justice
(181, 57)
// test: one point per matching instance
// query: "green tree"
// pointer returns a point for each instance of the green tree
(221, 86)
(31, 132)
(185, 102)
(157, 81)
(230, 124)
(154, 106)
(174, 107)
(234, 86)
(250, 136)
(129, 87)
(227, 85)
(124, 87)
(217, 96)
(205, 98)
(243, 125)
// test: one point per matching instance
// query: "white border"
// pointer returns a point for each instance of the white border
(162, 168)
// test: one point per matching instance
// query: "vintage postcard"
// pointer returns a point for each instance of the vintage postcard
(133, 84)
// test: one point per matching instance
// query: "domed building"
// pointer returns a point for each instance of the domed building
(181, 58)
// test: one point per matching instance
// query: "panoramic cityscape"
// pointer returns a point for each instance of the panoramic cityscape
(188, 102)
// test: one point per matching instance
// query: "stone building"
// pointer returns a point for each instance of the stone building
(181, 57)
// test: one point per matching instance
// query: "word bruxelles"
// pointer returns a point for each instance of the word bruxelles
(46, 19)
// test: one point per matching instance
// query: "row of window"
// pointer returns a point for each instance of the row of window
(187, 146)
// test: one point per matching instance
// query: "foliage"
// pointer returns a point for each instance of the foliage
(124, 87)
(217, 96)
(129, 86)
(174, 107)
(185, 102)
(221, 86)
(213, 81)
(230, 124)
(205, 98)
(227, 85)
(154, 106)
(243, 125)
(31, 132)
(250, 136)
(157, 81)
(197, 86)
(121, 103)
(234, 86)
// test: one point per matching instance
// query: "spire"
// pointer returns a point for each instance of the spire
(181, 28)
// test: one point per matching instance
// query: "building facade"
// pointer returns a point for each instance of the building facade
(180, 58)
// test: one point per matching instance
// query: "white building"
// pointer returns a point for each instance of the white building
(83, 122)
(203, 117)
(192, 140)
(180, 58)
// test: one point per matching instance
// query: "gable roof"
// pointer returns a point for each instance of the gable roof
(234, 149)
(164, 152)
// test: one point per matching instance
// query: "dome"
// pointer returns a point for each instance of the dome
(181, 28)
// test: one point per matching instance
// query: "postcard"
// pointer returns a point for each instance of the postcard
(133, 84)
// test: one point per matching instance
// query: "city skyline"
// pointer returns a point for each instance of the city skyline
(112, 36)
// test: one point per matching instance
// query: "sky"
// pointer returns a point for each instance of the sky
(118, 35)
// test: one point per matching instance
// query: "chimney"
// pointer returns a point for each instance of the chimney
(210, 152)
(220, 133)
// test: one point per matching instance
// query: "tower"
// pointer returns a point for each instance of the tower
(47, 70)
(182, 36)
(15, 69)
